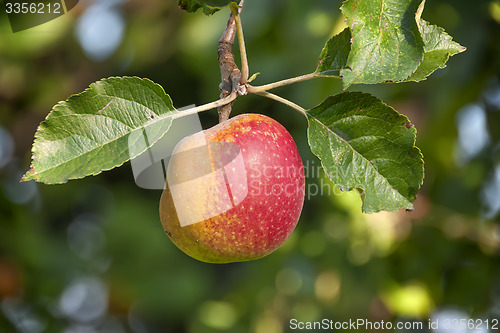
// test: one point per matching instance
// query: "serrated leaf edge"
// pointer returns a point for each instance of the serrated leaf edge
(449, 54)
(32, 174)
(419, 153)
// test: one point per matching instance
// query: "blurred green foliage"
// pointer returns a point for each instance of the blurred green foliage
(91, 255)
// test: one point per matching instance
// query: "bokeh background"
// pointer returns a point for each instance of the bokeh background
(91, 255)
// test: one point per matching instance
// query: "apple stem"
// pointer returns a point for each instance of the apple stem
(282, 100)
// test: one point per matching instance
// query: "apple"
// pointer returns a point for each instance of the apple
(233, 192)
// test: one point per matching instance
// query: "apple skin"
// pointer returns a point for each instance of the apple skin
(259, 169)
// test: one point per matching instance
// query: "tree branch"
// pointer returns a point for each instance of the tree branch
(230, 73)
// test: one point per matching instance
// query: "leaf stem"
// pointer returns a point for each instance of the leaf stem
(205, 107)
(282, 100)
(258, 89)
(241, 43)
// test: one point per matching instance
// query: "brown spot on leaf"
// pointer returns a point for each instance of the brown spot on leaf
(407, 124)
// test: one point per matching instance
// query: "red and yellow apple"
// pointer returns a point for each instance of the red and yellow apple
(233, 192)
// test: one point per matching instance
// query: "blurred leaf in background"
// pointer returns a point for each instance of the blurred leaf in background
(91, 255)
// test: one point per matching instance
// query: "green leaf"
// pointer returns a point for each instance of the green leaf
(99, 129)
(209, 6)
(438, 47)
(364, 144)
(334, 55)
(386, 42)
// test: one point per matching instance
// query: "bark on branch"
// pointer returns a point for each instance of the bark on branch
(230, 73)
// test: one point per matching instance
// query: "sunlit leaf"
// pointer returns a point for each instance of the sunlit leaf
(99, 129)
(386, 42)
(364, 144)
(209, 6)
